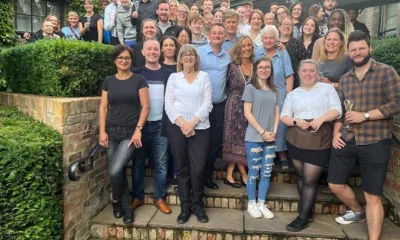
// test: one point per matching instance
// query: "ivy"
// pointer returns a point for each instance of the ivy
(79, 7)
(7, 30)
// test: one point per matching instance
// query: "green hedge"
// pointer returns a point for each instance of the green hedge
(7, 30)
(30, 178)
(57, 68)
(387, 51)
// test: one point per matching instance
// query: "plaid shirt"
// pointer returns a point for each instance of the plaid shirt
(379, 89)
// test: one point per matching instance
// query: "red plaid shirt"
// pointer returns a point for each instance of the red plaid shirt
(379, 89)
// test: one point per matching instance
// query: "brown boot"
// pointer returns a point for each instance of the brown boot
(163, 206)
(136, 203)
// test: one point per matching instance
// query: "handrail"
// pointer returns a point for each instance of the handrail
(82, 165)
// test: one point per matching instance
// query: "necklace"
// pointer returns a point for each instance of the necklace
(244, 78)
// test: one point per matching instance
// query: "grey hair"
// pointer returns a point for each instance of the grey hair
(271, 29)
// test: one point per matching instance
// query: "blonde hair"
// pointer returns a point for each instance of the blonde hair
(57, 28)
(309, 61)
(191, 49)
(342, 51)
(237, 50)
(187, 14)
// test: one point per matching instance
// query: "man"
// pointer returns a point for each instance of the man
(110, 23)
(154, 133)
(248, 7)
(272, 7)
(207, 6)
(197, 27)
(374, 89)
(243, 27)
(231, 22)
(329, 6)
(147, 9)
(353, 14)
(208, 22)
(225, 4)
(215, 61)
(163, 14)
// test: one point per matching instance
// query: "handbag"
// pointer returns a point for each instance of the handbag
(308, 140)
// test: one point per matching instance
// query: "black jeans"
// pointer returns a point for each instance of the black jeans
(119, 156)
(217, 117)
(190, 156)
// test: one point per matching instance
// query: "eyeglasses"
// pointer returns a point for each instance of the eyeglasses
(121, 59)
(263, 68)
(184, 36)
(189, 55)
(182, 12)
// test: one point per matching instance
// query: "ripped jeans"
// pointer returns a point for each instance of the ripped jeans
(260, 159)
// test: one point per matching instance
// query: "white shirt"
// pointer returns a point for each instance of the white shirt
(311, 104)
(258, 40)
(189, 100)
(109, 18)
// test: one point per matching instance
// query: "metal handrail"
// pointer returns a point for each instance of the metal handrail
(82, 165)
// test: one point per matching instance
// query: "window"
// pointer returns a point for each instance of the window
(389, 20)
(31, 13)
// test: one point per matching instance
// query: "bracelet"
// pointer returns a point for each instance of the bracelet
(263, 133)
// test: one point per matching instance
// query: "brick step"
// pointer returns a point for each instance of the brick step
(225, 224)
(282, 197)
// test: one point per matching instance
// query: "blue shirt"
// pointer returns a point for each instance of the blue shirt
(217, 68)
(69, 35)
(228, 44)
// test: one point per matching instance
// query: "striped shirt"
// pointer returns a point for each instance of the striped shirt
(379, 89)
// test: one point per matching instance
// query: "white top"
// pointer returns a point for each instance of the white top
(311, 104)
(109, 18)
(188, 100)
(258, 40)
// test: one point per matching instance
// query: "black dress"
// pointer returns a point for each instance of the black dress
(297, 52)
(91, 35)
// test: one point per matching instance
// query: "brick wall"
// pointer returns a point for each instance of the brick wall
(77, 120)
(370, 16)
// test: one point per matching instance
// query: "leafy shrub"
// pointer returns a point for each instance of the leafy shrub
(387, 51)
(30, 178)
(57, 68)
(7, 32)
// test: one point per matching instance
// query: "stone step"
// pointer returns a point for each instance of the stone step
(282, 197)
(224, 224)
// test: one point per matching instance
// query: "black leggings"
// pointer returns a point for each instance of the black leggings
(307, 182)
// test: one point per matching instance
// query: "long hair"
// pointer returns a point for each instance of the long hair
(342, 51)
(313, 11)
(348, 26)
(316, 33)
(284, 8)
(303, 14)
(162, 57)
(155, 25)
(270, 79)
(237, 50)
(187, 14)
(56, 28)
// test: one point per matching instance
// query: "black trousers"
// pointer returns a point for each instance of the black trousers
(114, 41)
(190, 160)
(216, 117)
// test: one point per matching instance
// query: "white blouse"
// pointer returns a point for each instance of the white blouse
(183, 99)
(311, 104)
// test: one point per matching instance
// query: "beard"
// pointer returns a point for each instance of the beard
(364, 61)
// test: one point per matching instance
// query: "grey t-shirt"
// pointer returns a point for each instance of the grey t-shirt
(335, 70)
(263, 109)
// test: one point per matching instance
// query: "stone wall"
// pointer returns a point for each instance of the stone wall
(77, 120)
(370, 16)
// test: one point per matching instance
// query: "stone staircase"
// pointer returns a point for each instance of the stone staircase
(229, 219)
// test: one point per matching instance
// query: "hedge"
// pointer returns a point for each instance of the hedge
(387, 51)
(7, 32)
(57, 68)
(30, 178)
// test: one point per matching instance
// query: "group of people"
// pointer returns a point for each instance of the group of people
(194, 81)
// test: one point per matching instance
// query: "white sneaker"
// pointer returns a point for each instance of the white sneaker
(265, 211)
(351, 217)
(253, 210)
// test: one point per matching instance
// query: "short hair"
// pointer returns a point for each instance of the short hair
(248, 3)
(119, 49)
(217, 10)
(162, 2)
(256, 11)
(270, 79)
(150, 40)
(207, 1)
(146, 21)
(184, 49)
(237, 50)
(230, 13)
(272, 4)
(271, 29)
(73, 14)
(357, 36)
(291, 20)
(217, 24)
(196, 18)
(284, 8)
(309, 61)
(353, 8)
(162, 57)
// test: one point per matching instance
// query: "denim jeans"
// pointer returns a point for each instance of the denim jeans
(260, 159)
(151, 135)
(119, 156)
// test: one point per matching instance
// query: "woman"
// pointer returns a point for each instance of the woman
(308, 111)
(281, 13)
(72, 31)
(333, 61)
(295, 47)
(91, 24)
(124, 108)
(194, 10)
(182, 20)
(126, 32)
(261, 108)
(169, 52)
(240, 73)
(47, 32)
(218, 16)
(173, 6)
(298, 13)
(188, 104)
(184, 36)
(56, 25)
(255, 21)
(283, 80)
(317, 12)
(310, 34)
(149, 30)
(269, 19)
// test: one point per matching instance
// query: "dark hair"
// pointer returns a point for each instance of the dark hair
(119, 49)
(357, 36)
(270, 80)
(316, 33)
(217, 24)
(162, 2)
(353, 8)
(272, 4)
(248, 3)
(314, 9)
(176, 47)
(186, 29)
(303, 14)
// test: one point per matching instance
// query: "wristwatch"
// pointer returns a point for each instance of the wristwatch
(294, 123)
(366, 115)
(139, 127)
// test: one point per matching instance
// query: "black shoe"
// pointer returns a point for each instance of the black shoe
(234, 184)
(298, 224)
(210, 184)
(201, 216)
(128, 217)
(183, 216)
(243, 183)
(310, 217)
(118, 209)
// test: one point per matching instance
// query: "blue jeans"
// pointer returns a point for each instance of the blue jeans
(260, 159)
(151, 135)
